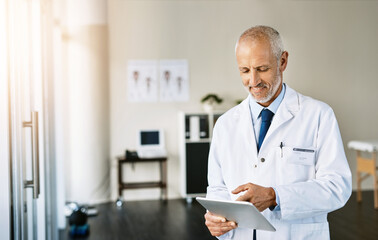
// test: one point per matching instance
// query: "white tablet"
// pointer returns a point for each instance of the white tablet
(243, 213)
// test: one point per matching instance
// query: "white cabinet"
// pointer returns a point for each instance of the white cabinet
(195, 136)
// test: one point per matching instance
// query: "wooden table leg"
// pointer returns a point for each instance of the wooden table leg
(359, 195)
(163, 177)
(119, 180)
(375, 182)
(375, 192)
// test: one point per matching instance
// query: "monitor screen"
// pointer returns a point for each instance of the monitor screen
(149, 137)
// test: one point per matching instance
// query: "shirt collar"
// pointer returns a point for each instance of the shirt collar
(256, 108)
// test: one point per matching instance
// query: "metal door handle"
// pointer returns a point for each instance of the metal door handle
(34, 183)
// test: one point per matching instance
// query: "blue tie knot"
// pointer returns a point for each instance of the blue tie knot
(266, 115)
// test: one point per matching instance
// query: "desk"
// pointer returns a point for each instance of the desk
(162, 184)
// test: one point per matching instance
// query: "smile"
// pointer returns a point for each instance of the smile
(257, 89)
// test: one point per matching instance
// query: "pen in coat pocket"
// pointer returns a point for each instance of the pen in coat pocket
(281, 146)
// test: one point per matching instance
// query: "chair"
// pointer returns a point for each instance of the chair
(366, 166)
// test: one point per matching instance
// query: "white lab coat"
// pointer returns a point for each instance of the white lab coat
(309, 185)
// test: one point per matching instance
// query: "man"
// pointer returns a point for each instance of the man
(278, 149)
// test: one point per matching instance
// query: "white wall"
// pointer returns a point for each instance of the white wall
(332, 49)
(82, 100)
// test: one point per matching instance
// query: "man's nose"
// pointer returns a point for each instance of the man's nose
(254, 79)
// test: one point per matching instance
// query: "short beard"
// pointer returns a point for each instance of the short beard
(272, 92)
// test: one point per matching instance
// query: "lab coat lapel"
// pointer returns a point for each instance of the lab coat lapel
(246, 128)
(286, 111)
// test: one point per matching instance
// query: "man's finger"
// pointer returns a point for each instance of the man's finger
(221, 229)
(218, 225)
(241, 188)
(233, 224)
(224, 226)
(215, 218)
(243, 198)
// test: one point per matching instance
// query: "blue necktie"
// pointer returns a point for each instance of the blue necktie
(266, 119)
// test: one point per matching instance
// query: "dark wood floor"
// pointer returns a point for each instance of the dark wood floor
(174, 219)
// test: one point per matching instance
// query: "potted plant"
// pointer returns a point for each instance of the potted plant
(209, 101)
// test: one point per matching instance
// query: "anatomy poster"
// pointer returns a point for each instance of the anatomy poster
(142, 81)
(164, 80)
(174, 80)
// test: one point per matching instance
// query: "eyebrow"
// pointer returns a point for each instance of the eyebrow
(262, 66)
(240, 68)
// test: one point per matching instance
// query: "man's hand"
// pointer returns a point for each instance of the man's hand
(218, 225)
(260, 197)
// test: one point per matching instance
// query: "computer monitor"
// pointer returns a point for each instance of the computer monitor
(150, 138)
(151, 143)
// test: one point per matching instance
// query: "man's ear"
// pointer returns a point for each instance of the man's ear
(283, 61)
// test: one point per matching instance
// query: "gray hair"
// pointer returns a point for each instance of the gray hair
(267, 33)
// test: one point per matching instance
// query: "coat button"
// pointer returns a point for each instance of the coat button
(255, 166)
(262, 159)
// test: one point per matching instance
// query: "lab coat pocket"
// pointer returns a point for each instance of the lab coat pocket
(303, 156)
(298, 164)
(310, 231)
